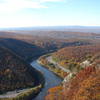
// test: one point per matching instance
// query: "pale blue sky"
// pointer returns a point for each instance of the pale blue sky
(23, 13)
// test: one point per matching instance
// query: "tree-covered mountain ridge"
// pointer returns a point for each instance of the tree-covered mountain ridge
(16, 73)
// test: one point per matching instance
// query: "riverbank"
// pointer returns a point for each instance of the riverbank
(57, 70)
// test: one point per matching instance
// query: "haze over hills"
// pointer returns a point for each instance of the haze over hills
(49, 34)
(90, 29)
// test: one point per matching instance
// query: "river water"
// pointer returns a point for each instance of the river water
(51, 80)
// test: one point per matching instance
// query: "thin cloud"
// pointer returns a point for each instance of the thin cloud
(11, 5)
(14, 5)
(7, 6)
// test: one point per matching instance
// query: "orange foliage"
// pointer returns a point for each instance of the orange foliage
(77, 53)
(55, 93)
(89, 88)
(72, 88)
(84, 86)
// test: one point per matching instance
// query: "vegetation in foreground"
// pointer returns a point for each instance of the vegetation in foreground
(84, 86)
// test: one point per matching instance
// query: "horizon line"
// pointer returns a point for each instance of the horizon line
(52, 26)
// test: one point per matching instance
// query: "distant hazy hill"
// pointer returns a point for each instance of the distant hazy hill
(15, 73)
(91, 29)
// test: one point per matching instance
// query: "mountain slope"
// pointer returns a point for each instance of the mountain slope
(15, 73)
(21, 48)
(77, 53)
(83, 85)
(34, 47)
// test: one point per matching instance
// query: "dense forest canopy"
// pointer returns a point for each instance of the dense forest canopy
(15, 73)
(77, 53)
(84, 86)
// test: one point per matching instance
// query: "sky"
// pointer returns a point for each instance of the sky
(29, 13)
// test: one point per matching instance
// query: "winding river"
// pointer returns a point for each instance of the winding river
(51, 80)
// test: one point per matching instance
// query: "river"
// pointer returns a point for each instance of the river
(51, 80)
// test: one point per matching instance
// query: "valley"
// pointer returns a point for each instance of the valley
(49, 49)
(32, 64)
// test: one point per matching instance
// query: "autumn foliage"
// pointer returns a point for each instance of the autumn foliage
(77, 53)
(84, 86)
(89, 88)
(55, 93)
(72, 88)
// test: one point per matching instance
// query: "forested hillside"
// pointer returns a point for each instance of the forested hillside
(80, 84)
(71, 57)
(77, 53)
(15, 73)
(21, 48)
(84, 86)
